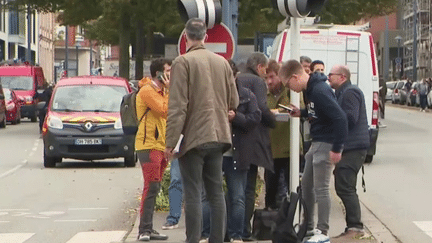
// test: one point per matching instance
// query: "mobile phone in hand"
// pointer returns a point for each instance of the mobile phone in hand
(286, 108)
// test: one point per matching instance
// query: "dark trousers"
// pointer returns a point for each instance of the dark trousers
(345, 183)
(423, 101)
(41, 115)
(250, 200)
(272, 182)
(153, 166)
(197, 167)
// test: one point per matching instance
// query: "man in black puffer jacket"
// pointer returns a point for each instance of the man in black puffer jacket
(352, 101)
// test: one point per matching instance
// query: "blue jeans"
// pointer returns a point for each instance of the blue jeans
(175, 191)
(236, 185)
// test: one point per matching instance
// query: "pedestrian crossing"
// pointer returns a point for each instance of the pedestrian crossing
(81, 237)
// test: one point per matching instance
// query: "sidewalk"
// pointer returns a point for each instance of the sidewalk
(379, 233)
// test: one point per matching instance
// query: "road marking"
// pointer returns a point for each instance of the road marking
(4, 222)
(15, 237)
(3, 213)
(34, 149)
(13, 169)
(425, 226)
(76, 209)
(97, 237)
(52, 213)
(75, 220)
(14, 209)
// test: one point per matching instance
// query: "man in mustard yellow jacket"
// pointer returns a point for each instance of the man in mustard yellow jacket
(152, 110)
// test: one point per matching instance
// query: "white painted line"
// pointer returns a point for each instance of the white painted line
(425, 226)
(13, 169)
(3, 213)
(34, 149)
(15, 237)
(2, 222)
(14, 209)
(97, 237)
(72, 209)
(75, 220)
(37, 217)
(52, 213)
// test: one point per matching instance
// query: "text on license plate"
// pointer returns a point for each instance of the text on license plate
(88, 141)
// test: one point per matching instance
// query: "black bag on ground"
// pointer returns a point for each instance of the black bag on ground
(285, 230)
(263, 221)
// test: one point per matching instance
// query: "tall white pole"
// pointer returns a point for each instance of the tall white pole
(295, 100)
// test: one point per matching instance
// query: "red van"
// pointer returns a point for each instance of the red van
(25, 80)
(83, 121)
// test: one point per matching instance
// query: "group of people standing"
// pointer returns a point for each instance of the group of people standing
(224, 121)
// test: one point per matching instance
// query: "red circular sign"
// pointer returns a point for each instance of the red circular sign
(220, 41)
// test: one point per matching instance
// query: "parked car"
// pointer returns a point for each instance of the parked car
(13, 106)
(2, 108)
(399, 95)
(390, 87)
(83, 121)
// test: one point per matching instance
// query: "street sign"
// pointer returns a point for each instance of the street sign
(220, 41)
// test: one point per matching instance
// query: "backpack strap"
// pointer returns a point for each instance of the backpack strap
(145, 113)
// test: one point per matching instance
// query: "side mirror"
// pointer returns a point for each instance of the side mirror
(41, 105)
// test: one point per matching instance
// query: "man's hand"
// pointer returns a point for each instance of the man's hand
(231, 115)
(169, 153)
(335, 157)
(295, 112)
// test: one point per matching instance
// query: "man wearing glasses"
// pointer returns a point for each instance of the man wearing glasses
(352, 101)
(328, 131)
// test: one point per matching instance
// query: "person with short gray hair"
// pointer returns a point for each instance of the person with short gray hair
(202, 93)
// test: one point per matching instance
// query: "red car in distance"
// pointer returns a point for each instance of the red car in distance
(13, 106)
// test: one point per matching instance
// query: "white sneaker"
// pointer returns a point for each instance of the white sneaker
(318, 237)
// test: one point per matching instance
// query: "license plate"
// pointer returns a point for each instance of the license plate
(88, 141)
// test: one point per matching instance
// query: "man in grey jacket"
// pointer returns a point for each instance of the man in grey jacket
(352, 102)
(202, 92)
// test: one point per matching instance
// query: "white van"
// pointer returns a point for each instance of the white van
(346, 45)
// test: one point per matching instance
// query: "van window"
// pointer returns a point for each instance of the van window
(88, 98)
(17, 82)
(8, 94)
(390, 85)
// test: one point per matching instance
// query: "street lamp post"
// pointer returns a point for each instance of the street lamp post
(399, 63)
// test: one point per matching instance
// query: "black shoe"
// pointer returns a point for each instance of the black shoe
(154, 235)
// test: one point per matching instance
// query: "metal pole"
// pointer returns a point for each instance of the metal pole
(414, 76)
(77, 47)
(91, 57)
(400, 70)
(386, 51)
(295, 100)
(66, 51)
(29, 35)
(230, 19)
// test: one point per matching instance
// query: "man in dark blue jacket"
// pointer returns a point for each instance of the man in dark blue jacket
(352, 101)
(328, 131)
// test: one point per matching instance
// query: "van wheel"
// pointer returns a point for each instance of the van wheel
(3, 123)
(368, 159)
(33, 119)
(130, 161)
(50, 162)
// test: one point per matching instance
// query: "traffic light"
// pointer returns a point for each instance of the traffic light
(298, 8)
(208, 10)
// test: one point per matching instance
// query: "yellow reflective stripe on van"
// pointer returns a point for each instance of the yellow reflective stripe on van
(77, 119)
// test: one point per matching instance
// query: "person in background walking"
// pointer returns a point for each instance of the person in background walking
(352, 101)
(202, 92)
(328, 130)
(423, 89)
(152, 108)
(253, 79)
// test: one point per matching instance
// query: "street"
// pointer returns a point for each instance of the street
(75, 202)
(399, 180)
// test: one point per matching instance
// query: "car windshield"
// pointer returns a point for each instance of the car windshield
(88, 98)
(7, 93)
(17, 82)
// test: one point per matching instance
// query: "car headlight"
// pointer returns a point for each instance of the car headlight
(118, 124)
(54, 122)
